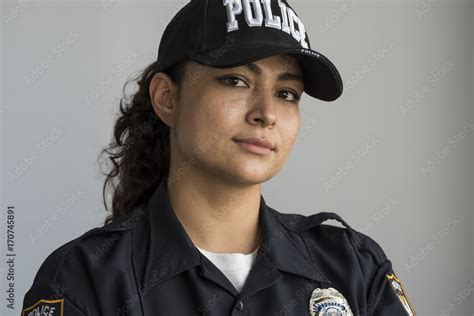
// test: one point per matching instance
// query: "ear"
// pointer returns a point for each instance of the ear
(163, 94)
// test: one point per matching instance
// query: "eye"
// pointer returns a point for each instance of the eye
(232, 81)
(294, 97)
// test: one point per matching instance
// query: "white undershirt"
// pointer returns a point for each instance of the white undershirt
(235, 266)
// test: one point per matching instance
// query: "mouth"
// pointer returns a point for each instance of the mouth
(256, 145)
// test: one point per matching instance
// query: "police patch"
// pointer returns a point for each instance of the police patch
(398, 289)
(45, 308)
(328, 302)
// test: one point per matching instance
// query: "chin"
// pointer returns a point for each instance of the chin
(253, 174)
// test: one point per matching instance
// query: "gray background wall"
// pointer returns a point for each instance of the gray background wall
(393, 156)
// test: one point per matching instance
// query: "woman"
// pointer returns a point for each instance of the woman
(190, 233)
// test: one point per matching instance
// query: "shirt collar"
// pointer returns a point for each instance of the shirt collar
(172, 251)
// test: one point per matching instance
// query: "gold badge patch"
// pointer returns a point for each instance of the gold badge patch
(45, 307)
(398, 288)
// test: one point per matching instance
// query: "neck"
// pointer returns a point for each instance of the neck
(217, 216)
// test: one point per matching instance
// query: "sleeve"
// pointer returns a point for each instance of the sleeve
(62, 287)
(385, 293)
(47, 299)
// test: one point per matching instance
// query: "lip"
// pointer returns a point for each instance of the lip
(257, 142)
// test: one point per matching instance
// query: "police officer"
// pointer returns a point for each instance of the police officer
(190, 233)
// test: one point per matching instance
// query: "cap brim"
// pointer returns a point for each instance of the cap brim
(321, 78)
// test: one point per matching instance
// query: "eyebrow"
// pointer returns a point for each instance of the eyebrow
(283, 76)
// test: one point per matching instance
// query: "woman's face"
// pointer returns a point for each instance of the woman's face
(217, 106)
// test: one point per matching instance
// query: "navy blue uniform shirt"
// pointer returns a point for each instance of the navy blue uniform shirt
(144, 263)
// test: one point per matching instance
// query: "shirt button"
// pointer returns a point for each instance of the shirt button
(240, 306)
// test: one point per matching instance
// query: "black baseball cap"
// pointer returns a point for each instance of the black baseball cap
(231, 33)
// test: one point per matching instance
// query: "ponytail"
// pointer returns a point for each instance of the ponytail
(138, 155)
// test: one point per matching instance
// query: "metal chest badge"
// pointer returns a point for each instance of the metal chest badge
(328, 302)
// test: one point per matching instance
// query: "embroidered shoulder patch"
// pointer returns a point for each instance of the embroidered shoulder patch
(398, 289)
(45, 307)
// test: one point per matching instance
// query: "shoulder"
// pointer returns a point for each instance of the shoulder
(353, 261)
(70, 265)
(339, 239)
(92, 242)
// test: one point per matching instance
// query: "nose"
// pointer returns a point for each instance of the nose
(263, 110)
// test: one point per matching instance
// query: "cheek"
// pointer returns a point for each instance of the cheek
(228, 116)
(207, 121)
(289, 130)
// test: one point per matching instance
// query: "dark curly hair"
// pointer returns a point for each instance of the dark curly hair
(138, 155)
